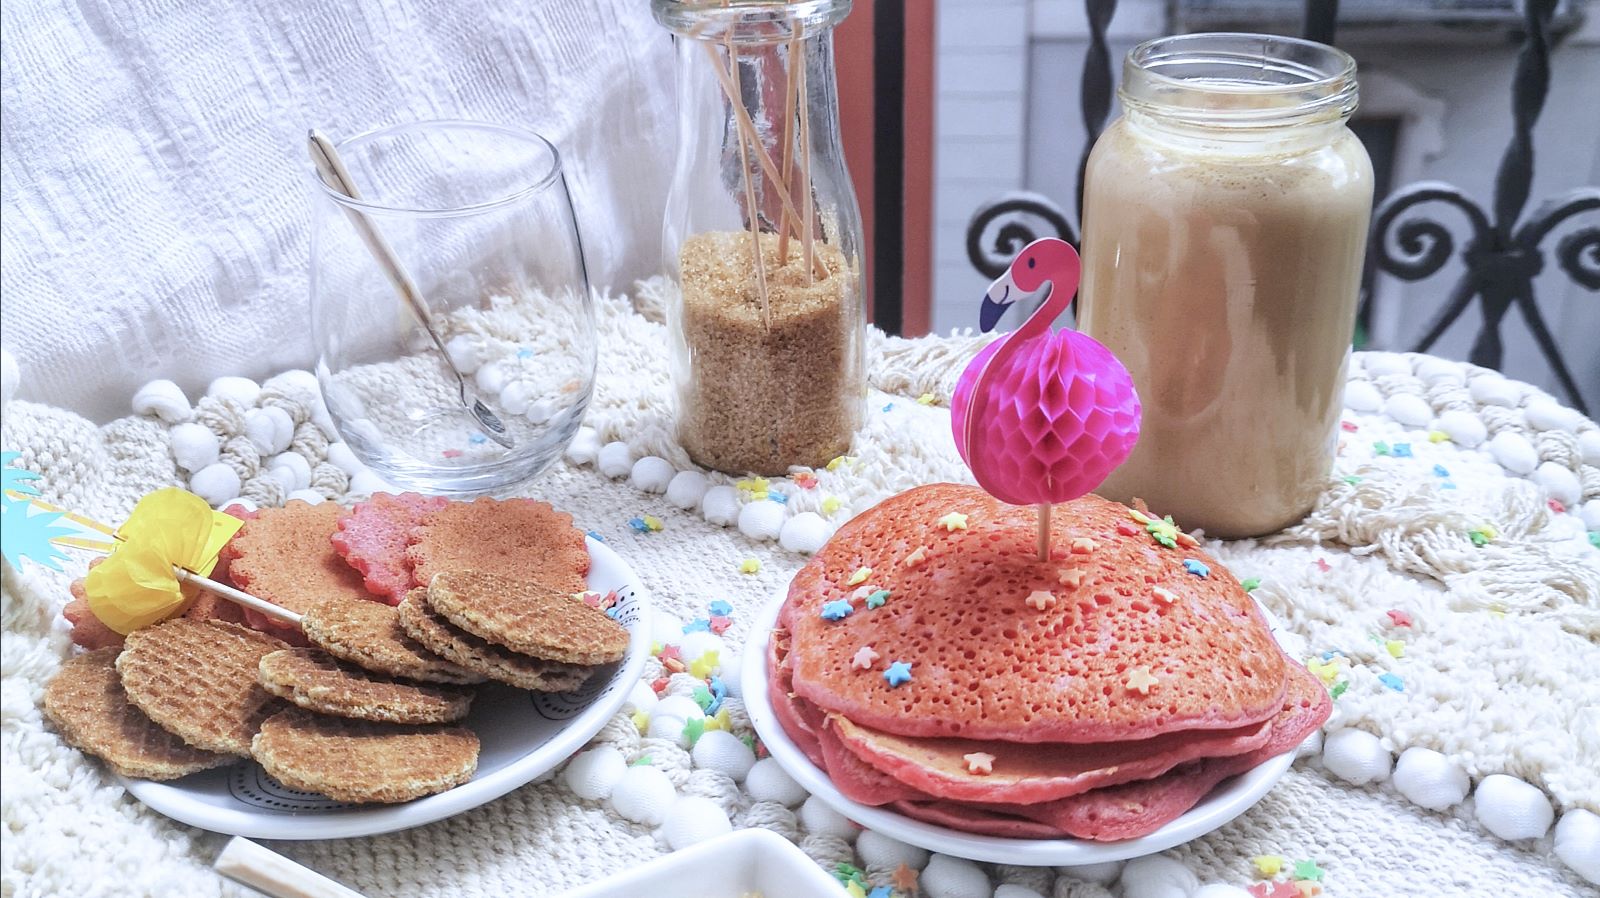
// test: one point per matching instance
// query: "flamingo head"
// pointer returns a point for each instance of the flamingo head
(1047, 260)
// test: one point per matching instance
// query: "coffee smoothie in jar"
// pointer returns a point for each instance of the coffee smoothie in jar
(1225, 218)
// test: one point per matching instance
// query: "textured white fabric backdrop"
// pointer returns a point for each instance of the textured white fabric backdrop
(154, 218)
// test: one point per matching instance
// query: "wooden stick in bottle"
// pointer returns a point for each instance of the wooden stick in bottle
(789, 90)
(754, 214)
(807, 222)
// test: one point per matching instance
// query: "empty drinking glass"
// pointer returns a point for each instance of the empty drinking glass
(477, 218)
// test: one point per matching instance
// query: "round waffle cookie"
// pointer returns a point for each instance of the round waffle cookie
(518, 538)
(363, 761)
(316, 681)
(431, 629)
(87, 705)
(528, 618)
(286, 556)
(369, 635)
(198, 680)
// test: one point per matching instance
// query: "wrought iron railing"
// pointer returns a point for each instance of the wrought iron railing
(1502, 255)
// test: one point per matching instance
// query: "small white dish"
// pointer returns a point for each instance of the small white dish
(1230, 799)
(744, 862)
(523, 735)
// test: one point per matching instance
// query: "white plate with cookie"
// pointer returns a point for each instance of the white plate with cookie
(522, 735)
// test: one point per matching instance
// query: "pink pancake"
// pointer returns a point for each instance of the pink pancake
(1025, 773)
(785, 707)
(1138, 808)
(372, 538)
(988, 665)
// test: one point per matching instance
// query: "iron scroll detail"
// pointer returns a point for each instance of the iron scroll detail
(998, 231)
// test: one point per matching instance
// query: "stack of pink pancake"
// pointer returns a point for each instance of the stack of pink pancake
(932, 663)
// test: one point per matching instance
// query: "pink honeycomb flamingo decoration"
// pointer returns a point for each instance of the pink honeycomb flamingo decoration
(1041, 416)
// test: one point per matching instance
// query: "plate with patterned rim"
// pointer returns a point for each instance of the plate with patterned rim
(523, 735)
(1228, 800)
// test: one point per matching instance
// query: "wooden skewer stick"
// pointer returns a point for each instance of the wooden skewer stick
(238, 597)
(790, 89)
(751, 211)
(748, 128)
(805, 180)
(274, 875)
(1044, 532)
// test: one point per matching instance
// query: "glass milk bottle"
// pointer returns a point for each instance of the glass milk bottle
(762, 239)
(1225, 219)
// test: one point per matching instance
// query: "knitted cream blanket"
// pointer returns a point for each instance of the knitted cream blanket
(1497, 671)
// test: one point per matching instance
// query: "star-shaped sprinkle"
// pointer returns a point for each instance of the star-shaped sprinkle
(660, 684)
(1482, 536)
(694, 729)
(916, 558)
(1307, 869)
(592, 599)
(641, 721)
(653, 523)
(1071, 578)
(1325, 670)
(955, 520)
(642, 761)
(1163, 530)
(1196, 567)
(1349, 426)
(804, 479)
(1380, 448)
(1441, 471)
(722, 720)
(1392, 681)
(888, 408)
(859, 577)
(864, 658)
(477, 439)
(1338, 689)
(1395, 648)
(638, 525)
(1083, 545)
(837, 610)
(1140, 680)
(927, 399)
(750, 566)
(1402, 450)
(707, 664)
(698, 625)
(1351, 479)
(1040, 600)
(752, 485)
(879, 892)
(852, 889)
(840, 462)
(1164, 596)
(1127, 529)
(1268, 865)
(669, 653)
(861, 593)
(979, 763)
(720, 625)
(847, 873)
(1556, 506)
(1250, 584)
(1274, 890)
(877, 598)
(702, 697)
(595, 535)
(1308, 889)
(905, 879)
(1437, 436)
(898, 673)
(1323, 565)
(1399, 618)
(830, 504)
(779, 498)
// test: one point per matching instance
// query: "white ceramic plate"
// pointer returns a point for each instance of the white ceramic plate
(745, 861)
(523, 735)
(1230, 799)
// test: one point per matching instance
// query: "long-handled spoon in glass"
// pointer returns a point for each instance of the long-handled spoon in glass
(333, 173)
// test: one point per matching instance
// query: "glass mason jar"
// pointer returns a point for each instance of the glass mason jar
(480, 223)
(1224, 224)
(762, 239)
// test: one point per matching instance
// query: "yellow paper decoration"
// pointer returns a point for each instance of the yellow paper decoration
(135, 586)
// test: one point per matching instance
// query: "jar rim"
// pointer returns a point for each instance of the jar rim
(749, 21)
(1209, 79)
(540, 179)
